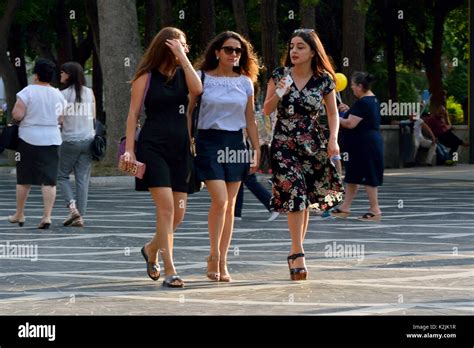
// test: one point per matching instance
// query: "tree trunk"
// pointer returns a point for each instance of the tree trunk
(7, 70)
(208, 21)
(63, 30)
(389, 23)
(308, 15)
(353, 41)
(151, 18)
(93, 20)
(37, 44)
(17, 54)
(97, 81)
(166, 13)
(433, 59)
(97, 86)
(84, 49)
(119, 54)
(238, 7)
(432, 56)
(268, 12)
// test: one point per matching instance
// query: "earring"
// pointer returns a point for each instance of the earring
(217, 57)
(236, 63)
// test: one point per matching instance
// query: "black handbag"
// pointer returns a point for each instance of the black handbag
(99, 145)
(9, 138)
(195, 184)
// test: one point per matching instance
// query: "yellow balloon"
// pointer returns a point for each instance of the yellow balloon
(341, 82)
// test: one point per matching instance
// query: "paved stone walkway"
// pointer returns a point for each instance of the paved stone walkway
(417, 261)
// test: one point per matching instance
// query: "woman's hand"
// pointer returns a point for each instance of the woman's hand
(281, 85)
(129, 156)
(255, 161)
(333, 148)
(343, 107)
(177, 48)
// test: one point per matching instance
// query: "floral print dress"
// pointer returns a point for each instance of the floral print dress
(303, 174)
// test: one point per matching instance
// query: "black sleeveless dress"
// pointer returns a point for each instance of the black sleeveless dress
(163, 144)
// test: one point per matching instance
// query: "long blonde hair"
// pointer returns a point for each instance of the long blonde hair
(158, 54)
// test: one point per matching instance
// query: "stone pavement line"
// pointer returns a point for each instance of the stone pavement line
(418, 260)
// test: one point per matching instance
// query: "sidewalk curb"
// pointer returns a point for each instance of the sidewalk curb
(461, 172)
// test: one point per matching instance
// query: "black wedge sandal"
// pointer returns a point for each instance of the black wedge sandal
(152, 269)
(297, 273)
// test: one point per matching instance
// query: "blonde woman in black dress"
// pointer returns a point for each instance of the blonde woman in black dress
(163, 144)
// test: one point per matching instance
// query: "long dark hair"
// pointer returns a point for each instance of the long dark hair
(158, 54)
(248, 63)
(76, 77)
(320, 61)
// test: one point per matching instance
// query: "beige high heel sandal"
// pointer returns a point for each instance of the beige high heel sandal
(224, 274)
(213, 261)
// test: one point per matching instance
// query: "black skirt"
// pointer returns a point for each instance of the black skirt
(37, 165)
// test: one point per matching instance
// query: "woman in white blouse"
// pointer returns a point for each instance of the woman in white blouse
(227, 107)
(38, 107)
(78, 134)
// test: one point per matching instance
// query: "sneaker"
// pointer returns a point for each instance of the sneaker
(449, 163)
(274, 215)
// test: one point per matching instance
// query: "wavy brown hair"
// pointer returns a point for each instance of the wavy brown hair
(321, 61)
(248, 63)
(158, 54)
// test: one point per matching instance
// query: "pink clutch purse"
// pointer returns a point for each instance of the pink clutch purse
(134, 168)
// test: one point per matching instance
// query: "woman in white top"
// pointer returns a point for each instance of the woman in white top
(78, 134)
(227, 107)
(38, 107)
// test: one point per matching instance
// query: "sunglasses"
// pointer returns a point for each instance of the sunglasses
(229, 50)
(306, 31)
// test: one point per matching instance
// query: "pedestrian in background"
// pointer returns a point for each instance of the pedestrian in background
(364, 146)
(77, 131)
(38, 107)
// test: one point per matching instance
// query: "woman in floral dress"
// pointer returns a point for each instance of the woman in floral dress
(303, 174)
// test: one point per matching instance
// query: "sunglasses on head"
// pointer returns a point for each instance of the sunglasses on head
(229, 50)
(306, 31)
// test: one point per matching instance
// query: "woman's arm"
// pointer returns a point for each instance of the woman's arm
(351, 122)
(333, 122)
(192, 79)
(252, 133)
(94, 111)
(272, 99)
(138, 91)
(19, 110)
(189, 116)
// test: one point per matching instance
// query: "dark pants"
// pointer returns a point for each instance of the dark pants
(449, 139)
(257, 189)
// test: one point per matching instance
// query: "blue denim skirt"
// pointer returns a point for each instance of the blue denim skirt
(221, 155)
